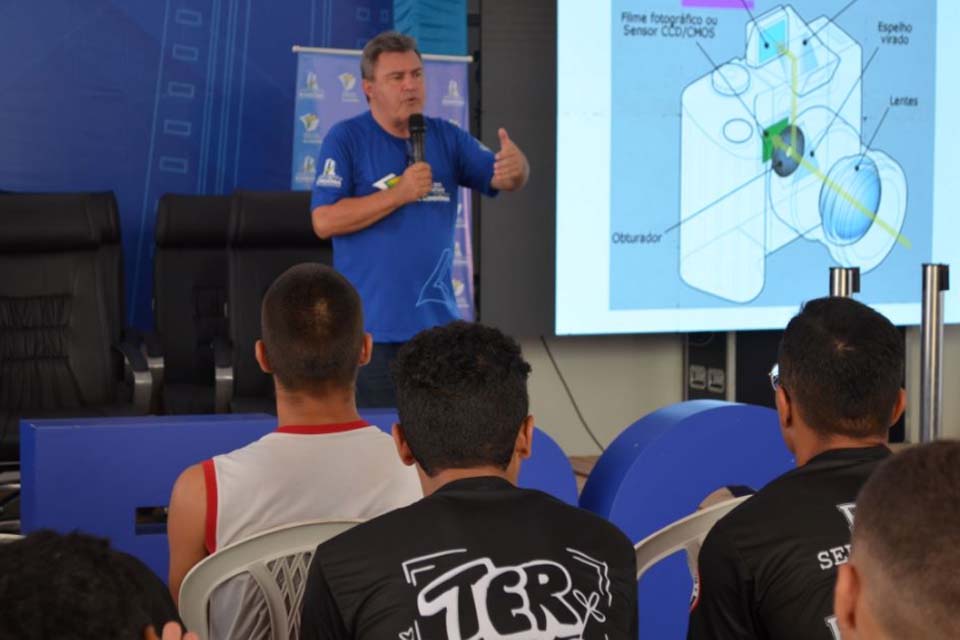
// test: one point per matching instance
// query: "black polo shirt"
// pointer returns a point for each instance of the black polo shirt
(768, 568)
(480, 558)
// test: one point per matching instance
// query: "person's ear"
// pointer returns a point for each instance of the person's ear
(845, 596)
(260, 353)
(899, 407)
(403, 449)
(784, 407)
(366, 349)
(367, 88)
(524, 444)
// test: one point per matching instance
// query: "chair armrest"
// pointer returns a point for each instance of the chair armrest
(148, 343)
(222, 374)
(135, 365)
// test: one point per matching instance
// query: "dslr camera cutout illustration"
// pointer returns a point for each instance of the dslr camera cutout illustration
(772, 151)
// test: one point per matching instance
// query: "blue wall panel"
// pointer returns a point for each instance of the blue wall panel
(146, 97)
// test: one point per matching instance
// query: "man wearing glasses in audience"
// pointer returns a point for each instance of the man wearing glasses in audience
(767, 569)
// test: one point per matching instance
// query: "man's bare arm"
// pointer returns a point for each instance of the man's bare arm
(353, 214)
(186, 524)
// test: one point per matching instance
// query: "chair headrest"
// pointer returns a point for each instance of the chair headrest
(103, 206)
(192, 221)
(272, 219)
(47, 222)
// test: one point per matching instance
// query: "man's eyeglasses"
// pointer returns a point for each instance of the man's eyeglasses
(775, 376)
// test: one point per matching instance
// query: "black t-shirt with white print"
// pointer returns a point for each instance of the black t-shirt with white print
(478, 559)
(767, 569)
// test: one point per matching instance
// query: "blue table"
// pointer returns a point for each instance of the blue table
(93, 474)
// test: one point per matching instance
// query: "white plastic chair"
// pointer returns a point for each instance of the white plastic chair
(687, 533)
(277, 560)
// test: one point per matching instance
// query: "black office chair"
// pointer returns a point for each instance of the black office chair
(58, 319)
(269, 233)
(189, 298)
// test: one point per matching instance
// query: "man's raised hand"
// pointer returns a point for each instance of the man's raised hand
(510, 168)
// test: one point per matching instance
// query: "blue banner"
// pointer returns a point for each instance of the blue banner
(329, 90)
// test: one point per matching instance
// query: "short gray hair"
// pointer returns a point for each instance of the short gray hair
(386, 42)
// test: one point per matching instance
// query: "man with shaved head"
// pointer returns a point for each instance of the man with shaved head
(323, 461)
(903, 577)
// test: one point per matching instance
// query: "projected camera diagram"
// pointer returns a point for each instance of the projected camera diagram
(772, 151)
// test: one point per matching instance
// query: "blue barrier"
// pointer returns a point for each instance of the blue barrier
(660, 468)
(93, 474)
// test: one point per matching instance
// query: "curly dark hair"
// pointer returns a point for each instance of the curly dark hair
(843, 364)
(75, 587)
(461, 396)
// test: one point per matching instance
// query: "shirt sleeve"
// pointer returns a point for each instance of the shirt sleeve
(334, 169)
(474, 163)
(722, 605)
(320, 617)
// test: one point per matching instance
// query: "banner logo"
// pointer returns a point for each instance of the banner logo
(311, 87)
(310, 121)
(452, 98)
(349, 82)
(329, 177)
(307, 171)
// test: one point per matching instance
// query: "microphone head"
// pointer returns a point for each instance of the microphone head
(416, 123)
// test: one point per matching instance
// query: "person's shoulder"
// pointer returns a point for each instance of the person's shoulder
(366, 537)
(580, 520)
(445, 127)
(348, 127)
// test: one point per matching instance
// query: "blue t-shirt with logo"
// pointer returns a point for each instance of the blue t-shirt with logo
(401, 265)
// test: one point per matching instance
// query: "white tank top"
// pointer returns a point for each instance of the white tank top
(297, 473)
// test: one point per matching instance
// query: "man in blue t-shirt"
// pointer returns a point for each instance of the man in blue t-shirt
(391, 219)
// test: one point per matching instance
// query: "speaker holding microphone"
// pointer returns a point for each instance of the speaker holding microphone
(418, 133)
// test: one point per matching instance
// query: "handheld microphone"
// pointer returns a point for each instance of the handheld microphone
(418, 134)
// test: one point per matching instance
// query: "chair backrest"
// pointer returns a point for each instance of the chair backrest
(277, 560)
(55, 322)
(687, 533)
(269, 233)
(105, 215)
(190, 283)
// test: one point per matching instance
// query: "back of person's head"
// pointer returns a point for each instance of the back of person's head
(312, 329)
(903, 580)
(841, 364)
(75, 587)
(461, 396)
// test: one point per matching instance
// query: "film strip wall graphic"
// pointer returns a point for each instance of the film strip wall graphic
(197, 128)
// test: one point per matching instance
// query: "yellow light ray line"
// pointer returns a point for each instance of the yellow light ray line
(790, 151)
(794, 83)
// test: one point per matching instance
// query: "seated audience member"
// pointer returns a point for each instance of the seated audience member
(767, 569)
(75, 587)
(903, 577)
(323, 462)
(477, 557)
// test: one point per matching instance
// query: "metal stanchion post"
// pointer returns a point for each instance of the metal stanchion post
(935, 282)
(844, 281)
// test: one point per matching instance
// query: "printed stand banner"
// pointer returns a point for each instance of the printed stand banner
(329, 90)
